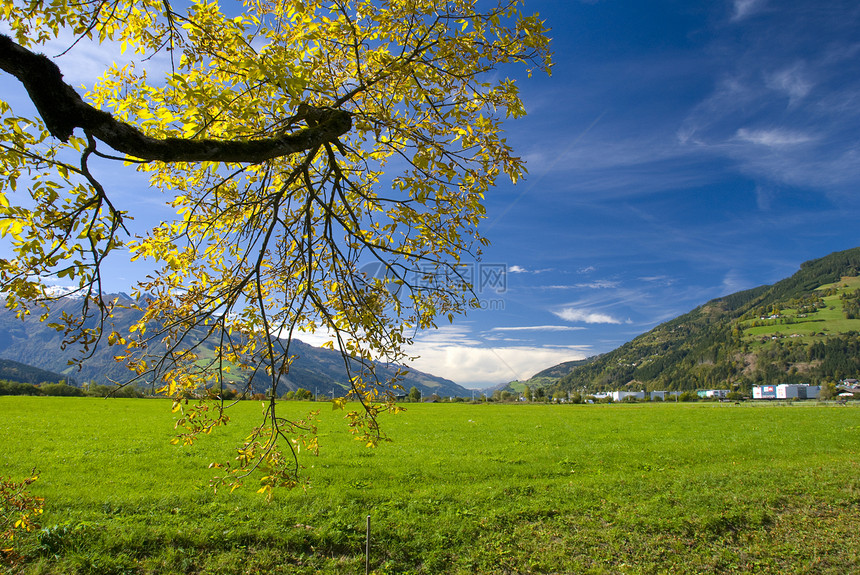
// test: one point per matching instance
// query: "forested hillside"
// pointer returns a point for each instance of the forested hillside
(21, 373)
(803, 329)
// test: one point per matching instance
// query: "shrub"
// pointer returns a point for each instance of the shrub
(16, 388)
(98, 390)
(18, 512)
(61, 389)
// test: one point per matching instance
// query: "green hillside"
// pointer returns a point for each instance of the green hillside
(804, 329)
(21, 373)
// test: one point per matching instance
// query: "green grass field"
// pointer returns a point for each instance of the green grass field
(690, 488)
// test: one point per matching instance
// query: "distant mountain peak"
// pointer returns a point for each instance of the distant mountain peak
(63, 291)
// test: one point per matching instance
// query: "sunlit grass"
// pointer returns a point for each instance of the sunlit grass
(461, 489)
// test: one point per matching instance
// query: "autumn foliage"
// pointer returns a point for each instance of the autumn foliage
(19, 512)
(296, 142)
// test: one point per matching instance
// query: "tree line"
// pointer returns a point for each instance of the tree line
(65, 390)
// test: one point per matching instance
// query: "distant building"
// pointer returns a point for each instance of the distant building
(787, 391)
(764, 392)
(620, 395)
(713, 393)
(664, 395)
(849, 388)
(797, 391)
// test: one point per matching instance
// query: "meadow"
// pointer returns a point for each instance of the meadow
(486, 488)
(816, 326)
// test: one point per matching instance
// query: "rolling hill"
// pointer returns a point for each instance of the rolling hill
(803, 329)
(319, 370)
(21, 373)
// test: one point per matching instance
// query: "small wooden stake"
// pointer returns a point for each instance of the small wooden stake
(367, 549)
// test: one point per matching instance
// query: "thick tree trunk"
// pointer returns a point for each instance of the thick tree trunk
(63, 110)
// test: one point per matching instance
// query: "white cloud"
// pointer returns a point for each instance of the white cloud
(84, 61)
(515, 269)
(599, 284)
(730, 98)
(792, 81)
(316, 339)
(479, 367)
(659, 279)
(581, 315)
(744, 8)
(459, 334)
(538, 328)
(778, 117)
(772, 138)
(734, 282)
(453, 352)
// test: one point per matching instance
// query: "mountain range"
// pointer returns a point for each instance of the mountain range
(318, 370)
(803, 329)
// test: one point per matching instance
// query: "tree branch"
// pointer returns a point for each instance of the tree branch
(63, 110)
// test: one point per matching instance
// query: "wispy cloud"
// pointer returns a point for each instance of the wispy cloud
(517, 269)
(734, 282)
(793, 81)
(660, 279)
(599, 284)
(538, 328)
(773, 138)
(83, 61)
(585, 316)
(595, 285)
(743, 8)
(785, 106)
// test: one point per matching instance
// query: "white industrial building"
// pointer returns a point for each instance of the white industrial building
(713, 393)
(764, 392)
(797, 391)
(619, 395)
(787, 391)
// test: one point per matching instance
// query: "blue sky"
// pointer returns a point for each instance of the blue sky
(680, 151)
